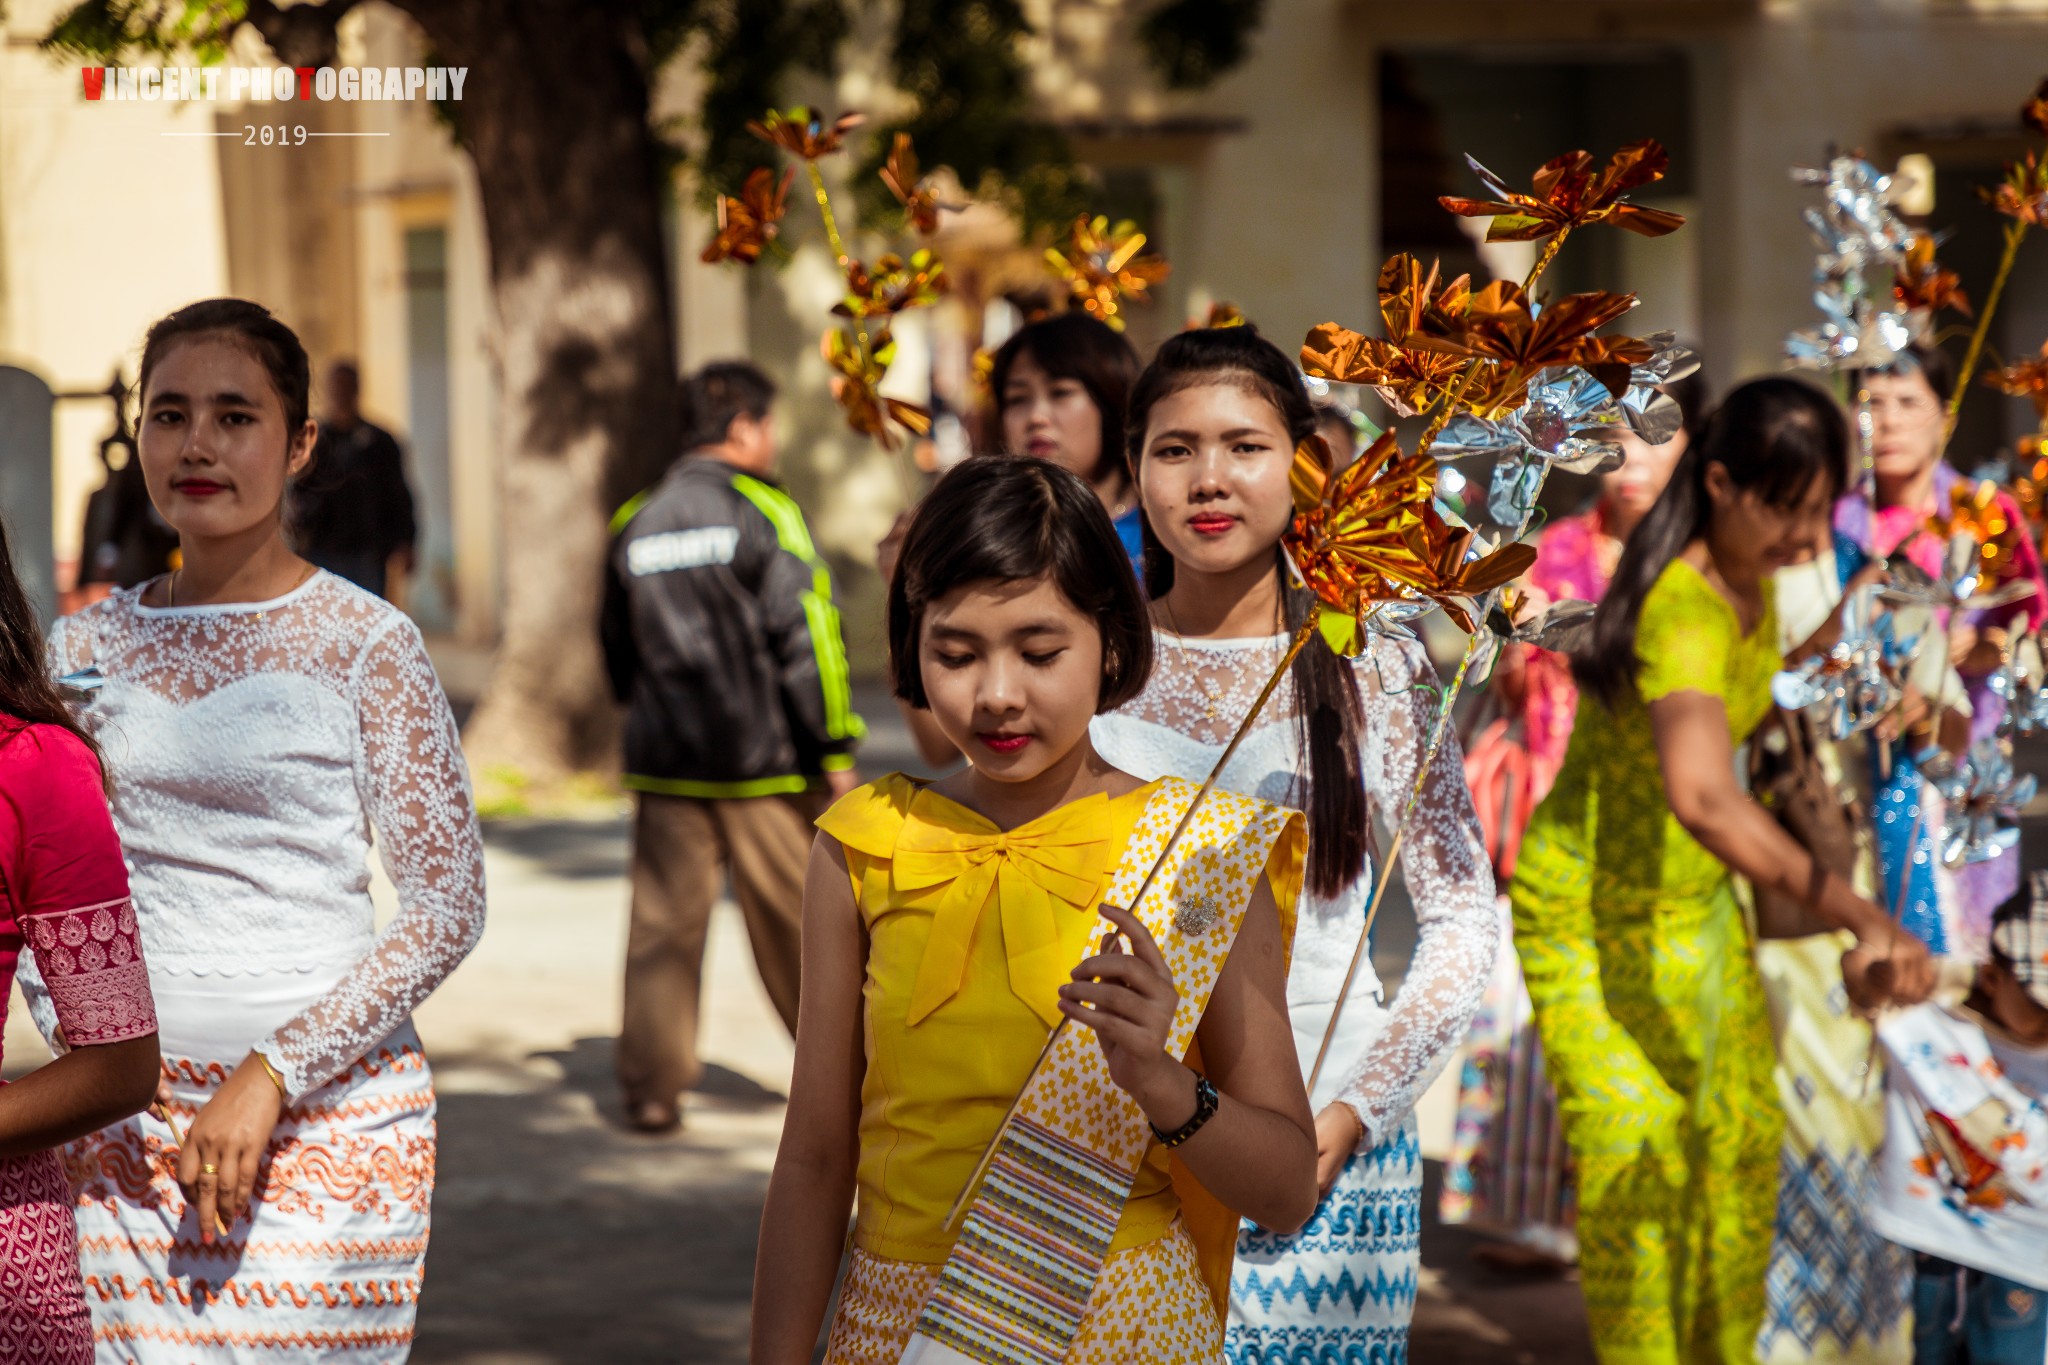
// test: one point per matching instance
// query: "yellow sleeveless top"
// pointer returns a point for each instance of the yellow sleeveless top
(971, 932)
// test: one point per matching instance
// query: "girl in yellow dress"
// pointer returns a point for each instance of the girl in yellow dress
(1647, 999)
(942, 927)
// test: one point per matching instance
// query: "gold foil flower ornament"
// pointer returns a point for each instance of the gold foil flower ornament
(1976, 512)
(1567, 193)
(894, 285)
(920, 201)
(1920, 283)
(2034, 113)
(2023, 194)
(1408, 378)
(1372, 537)
(747, 225)
(2027, 379)
(1503, 324)
(803, 132)
(1102, 266)
(859, 364)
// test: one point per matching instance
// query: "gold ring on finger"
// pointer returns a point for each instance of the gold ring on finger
(209, 1169)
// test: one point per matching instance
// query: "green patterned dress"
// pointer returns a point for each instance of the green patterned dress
(1651, 1010)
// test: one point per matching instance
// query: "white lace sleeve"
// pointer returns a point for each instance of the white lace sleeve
(1443, 860)
(416, 791)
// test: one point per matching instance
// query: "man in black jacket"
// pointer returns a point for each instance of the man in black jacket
(352, 510)
(722, 640)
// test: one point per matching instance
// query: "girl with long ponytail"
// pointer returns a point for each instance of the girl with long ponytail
(1647, 999)
(1214, 423)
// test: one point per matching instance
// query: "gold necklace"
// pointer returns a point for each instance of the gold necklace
(1180, 650)
(1215, 702)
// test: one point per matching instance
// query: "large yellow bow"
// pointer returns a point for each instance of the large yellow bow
(1061, 856)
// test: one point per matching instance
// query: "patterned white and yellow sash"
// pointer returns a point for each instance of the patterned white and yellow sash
(1034, 1239)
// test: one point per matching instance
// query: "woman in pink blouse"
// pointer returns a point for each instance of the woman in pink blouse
(63, 896)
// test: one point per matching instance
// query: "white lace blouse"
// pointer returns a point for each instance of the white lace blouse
(253, 749)
(1385, 1058)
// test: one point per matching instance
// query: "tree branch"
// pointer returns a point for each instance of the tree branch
(299, 35)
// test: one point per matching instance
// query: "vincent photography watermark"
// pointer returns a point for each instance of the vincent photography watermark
(178, 84)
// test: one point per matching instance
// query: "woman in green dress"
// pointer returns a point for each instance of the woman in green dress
(1647, 1000)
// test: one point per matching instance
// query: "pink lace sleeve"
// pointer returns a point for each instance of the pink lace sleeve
(416, 791)
(90, 960)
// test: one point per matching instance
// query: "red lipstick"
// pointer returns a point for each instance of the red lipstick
(1004, 744)
(1211, 523)
(198, 488)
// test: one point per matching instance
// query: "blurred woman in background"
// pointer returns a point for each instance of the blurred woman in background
(1909, 420)
(1061, 385)
(1637, 959)
(1508, 1172)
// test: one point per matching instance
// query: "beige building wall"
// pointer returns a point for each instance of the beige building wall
(1804, 75)
(109, 217)
(114, 213)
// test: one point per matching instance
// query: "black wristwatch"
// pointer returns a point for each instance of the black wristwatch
(1205, 1109)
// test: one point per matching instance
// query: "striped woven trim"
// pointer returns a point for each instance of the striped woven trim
(339, 1249)
(1021, 1275)
(283, 1341)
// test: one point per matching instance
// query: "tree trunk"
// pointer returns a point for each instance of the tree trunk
(554, 114)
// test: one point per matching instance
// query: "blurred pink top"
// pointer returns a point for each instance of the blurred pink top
(1567, 566)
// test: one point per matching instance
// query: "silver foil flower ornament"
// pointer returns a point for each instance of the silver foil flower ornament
(1960, 584)
(1650, 412)
(2018, 683)
(1853, 683)
(1850, 335)
(1561, 627)
(1562, 422)
(1985, 799)
(1855, 226)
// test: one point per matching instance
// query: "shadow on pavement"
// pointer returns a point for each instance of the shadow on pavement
(1470, 1314)
(574, 850)
(559, 1236)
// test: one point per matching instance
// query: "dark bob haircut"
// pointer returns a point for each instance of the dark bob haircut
(1009, 518)
(1092, 354)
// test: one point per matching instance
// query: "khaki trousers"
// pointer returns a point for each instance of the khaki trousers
(683, 850)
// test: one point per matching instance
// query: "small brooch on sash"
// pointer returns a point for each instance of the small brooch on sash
(1195, 914)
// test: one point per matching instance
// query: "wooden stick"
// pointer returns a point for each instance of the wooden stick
(2014, 231)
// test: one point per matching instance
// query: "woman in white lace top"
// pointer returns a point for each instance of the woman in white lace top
(1214, 424)
(261, 719)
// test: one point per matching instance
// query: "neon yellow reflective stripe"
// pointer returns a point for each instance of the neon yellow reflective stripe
(820, 615)
(715, 791)
(837, 763)
(630, 510)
